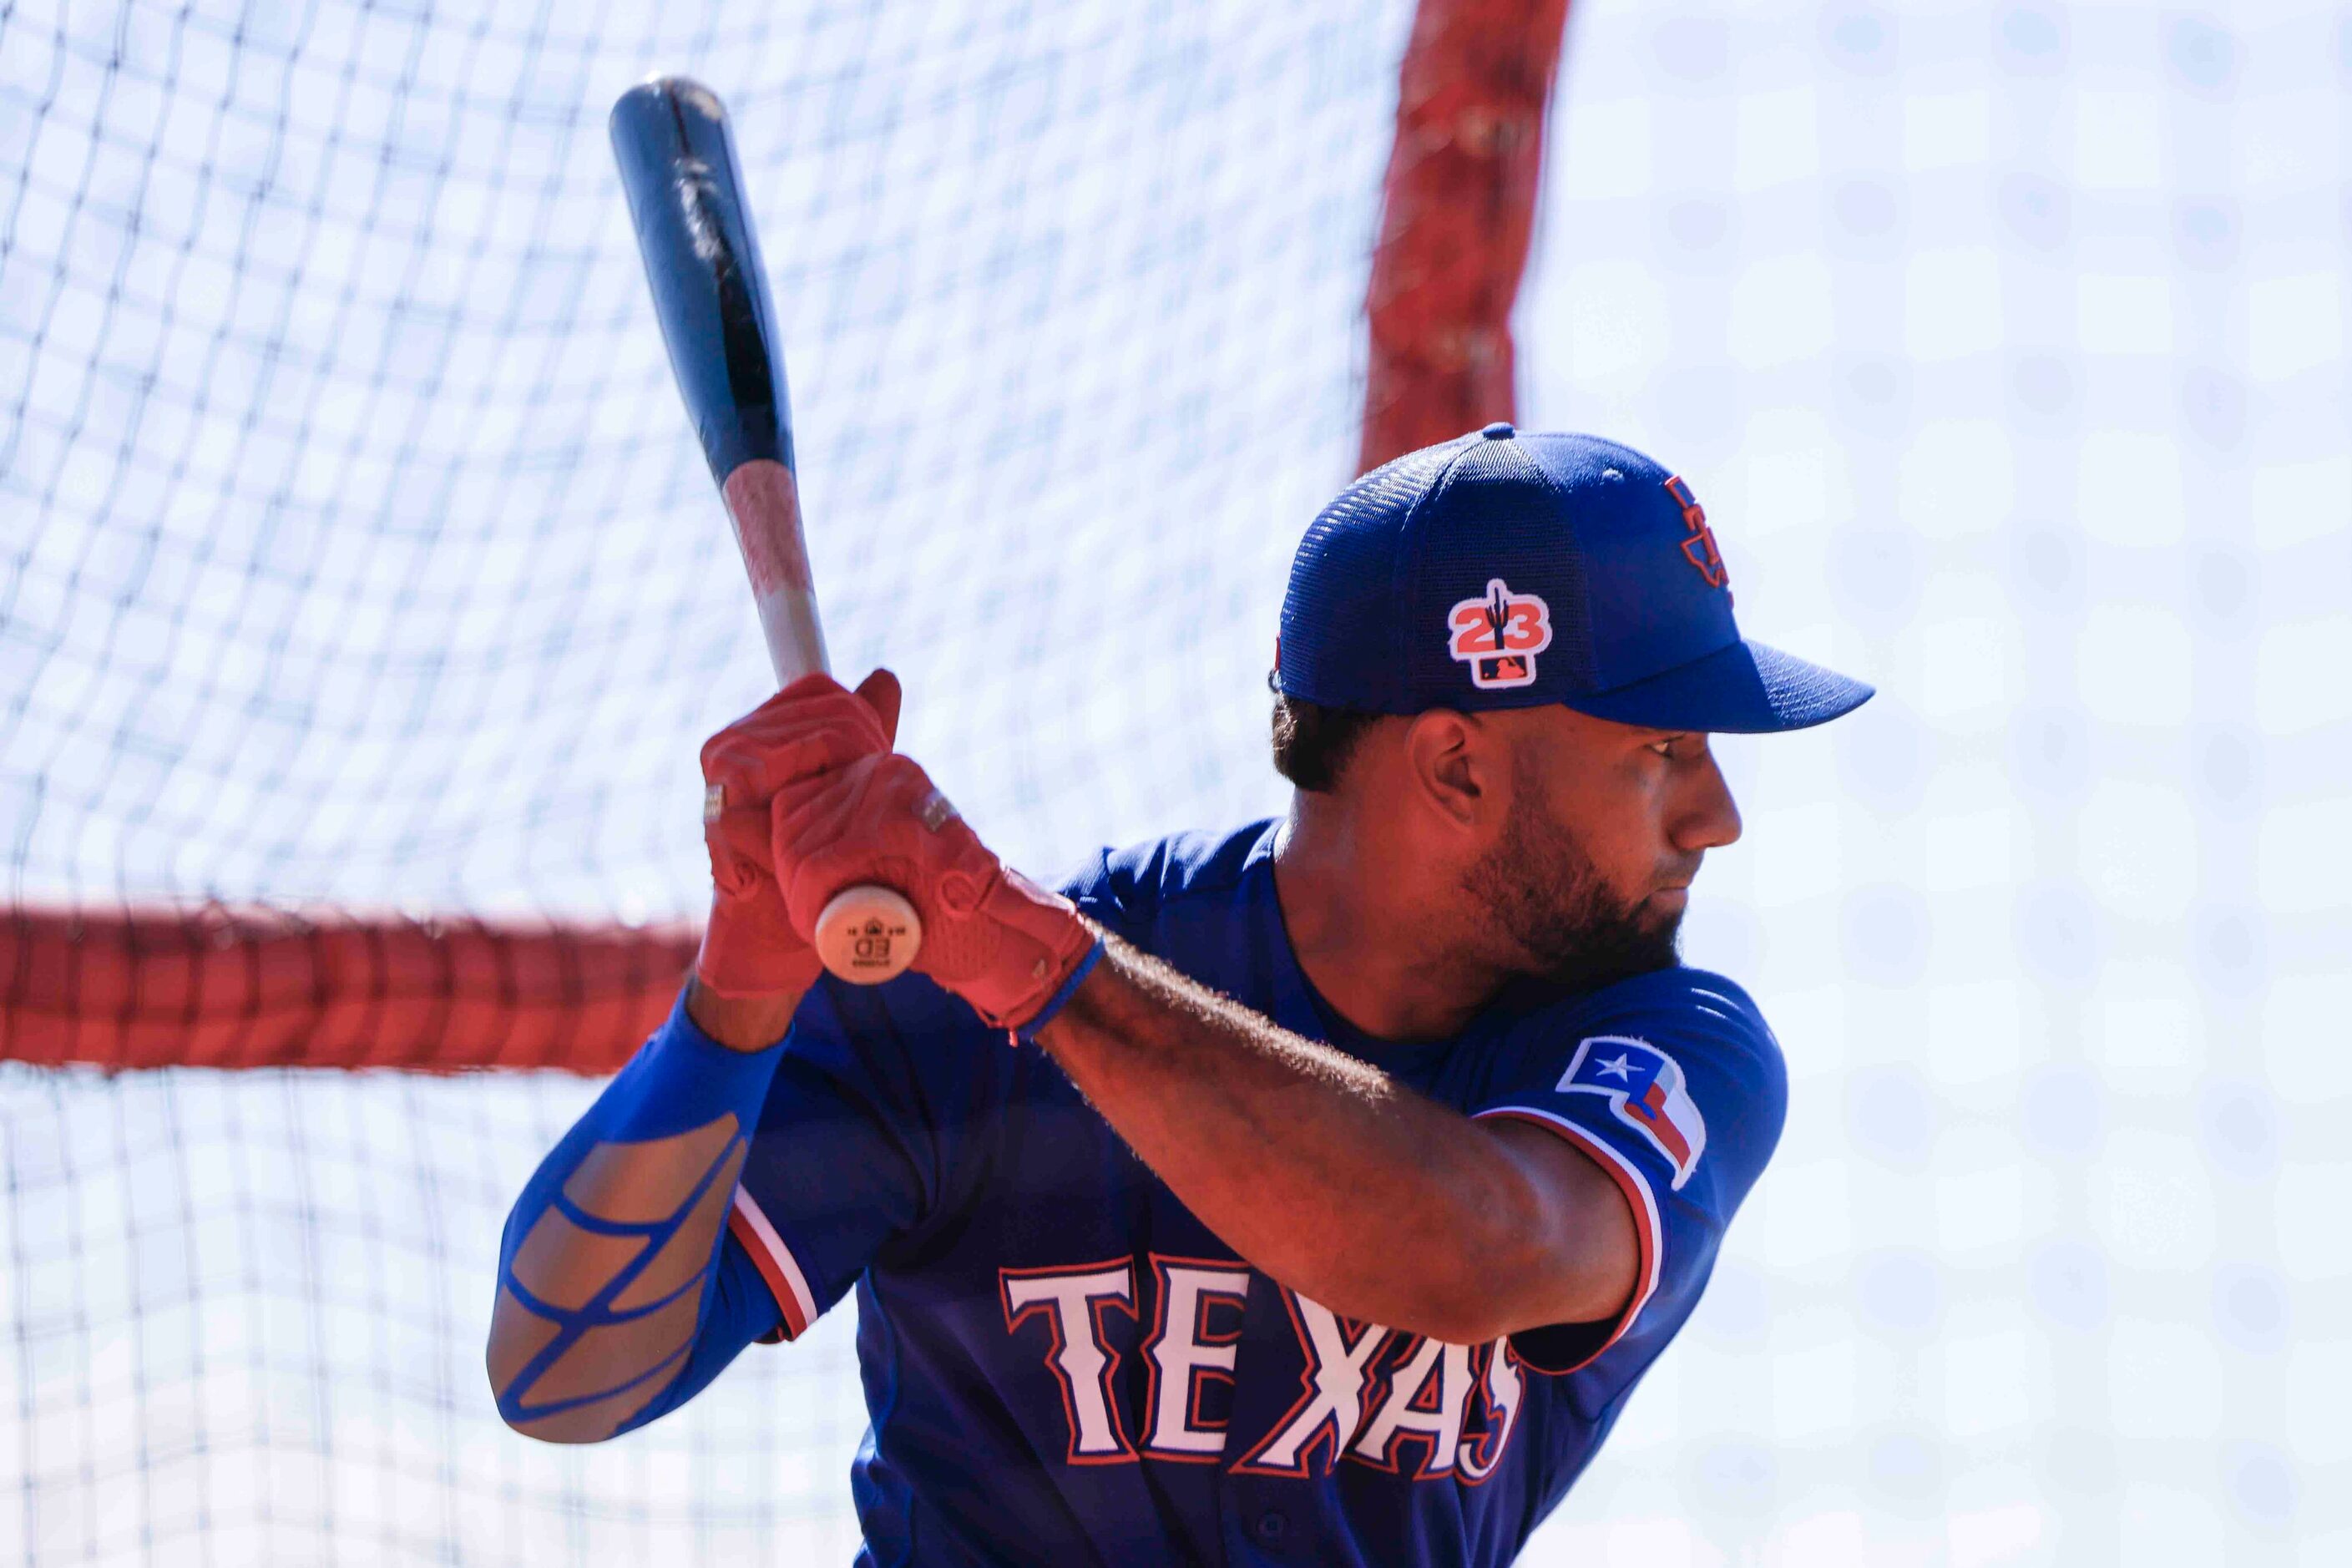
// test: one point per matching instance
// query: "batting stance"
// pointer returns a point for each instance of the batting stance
(1345, 1173)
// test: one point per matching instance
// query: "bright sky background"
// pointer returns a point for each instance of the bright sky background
(2006, 348)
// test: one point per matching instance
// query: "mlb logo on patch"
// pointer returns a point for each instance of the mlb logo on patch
(1498, 636)
(1644, 1088)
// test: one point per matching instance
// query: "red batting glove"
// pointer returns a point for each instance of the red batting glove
(812, 727)
(991, 936)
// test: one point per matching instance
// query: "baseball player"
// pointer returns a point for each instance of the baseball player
(1314, 1192)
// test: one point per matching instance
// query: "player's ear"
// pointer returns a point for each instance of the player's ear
(881, 692)
(1451, 764)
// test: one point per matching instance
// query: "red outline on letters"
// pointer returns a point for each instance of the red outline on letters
(1327, 1429)
(1013, 1320)
(1501, 1440)
(1389, 1462)
(1239, 1300)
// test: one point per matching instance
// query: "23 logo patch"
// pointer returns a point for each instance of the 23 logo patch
(1498, 636)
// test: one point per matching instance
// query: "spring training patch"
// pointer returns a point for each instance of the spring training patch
(1498, 636)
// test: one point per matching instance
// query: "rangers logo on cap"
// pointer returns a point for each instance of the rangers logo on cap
(1700, 548)
(1498, 636)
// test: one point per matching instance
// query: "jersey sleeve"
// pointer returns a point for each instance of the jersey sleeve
(867, 1131)
(1672, 1084)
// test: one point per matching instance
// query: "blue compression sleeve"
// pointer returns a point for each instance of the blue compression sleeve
(740, 1310)
(701, 1100)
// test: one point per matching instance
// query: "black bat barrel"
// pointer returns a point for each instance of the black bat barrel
(685, 199)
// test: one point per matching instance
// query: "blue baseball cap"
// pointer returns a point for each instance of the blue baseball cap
(1510, 570)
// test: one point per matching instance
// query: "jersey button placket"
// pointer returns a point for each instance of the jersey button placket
(1268, 1520)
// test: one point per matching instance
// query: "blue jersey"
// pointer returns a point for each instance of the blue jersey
(1064, 1365)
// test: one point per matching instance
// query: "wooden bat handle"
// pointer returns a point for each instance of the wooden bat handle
(764, 501)
(867, 933)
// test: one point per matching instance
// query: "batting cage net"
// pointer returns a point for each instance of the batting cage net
(364, 601)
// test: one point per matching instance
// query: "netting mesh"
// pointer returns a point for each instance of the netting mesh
(357, 549)
(2006, 347)
(360, 550)
(245, 1314)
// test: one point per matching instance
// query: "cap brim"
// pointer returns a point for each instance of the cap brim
(1747, 688)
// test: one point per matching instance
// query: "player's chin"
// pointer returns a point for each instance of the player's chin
(1662, 910)
(1657, 934)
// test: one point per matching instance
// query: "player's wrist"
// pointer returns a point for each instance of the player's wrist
(748, 1024)
(750, 951)
(1042, 943)
(1027, 1033)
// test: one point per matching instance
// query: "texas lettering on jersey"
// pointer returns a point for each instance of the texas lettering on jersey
(1032, 1295)
(1403, 1404)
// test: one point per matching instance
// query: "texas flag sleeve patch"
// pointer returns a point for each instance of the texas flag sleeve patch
(1645, 1087)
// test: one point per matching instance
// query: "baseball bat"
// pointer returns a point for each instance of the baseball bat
(710, 293)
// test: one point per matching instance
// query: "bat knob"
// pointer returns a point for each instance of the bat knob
(867, 934)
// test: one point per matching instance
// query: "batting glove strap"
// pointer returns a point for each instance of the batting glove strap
(990, 934)
(1026, 1034)
(1034, 943)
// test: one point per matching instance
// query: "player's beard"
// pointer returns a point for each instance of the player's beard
(1548, 901)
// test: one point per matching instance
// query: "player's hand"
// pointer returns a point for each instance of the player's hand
(811, 728)
(989, 935)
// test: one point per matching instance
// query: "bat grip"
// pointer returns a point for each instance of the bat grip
(867, 933)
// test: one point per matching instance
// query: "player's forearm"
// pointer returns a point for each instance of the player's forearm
(1321, 1170)
(607, 1259)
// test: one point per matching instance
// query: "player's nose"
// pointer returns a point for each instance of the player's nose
(1705, 817)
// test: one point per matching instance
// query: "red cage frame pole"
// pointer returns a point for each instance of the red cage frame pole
(250, 986)
(1457, 211)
